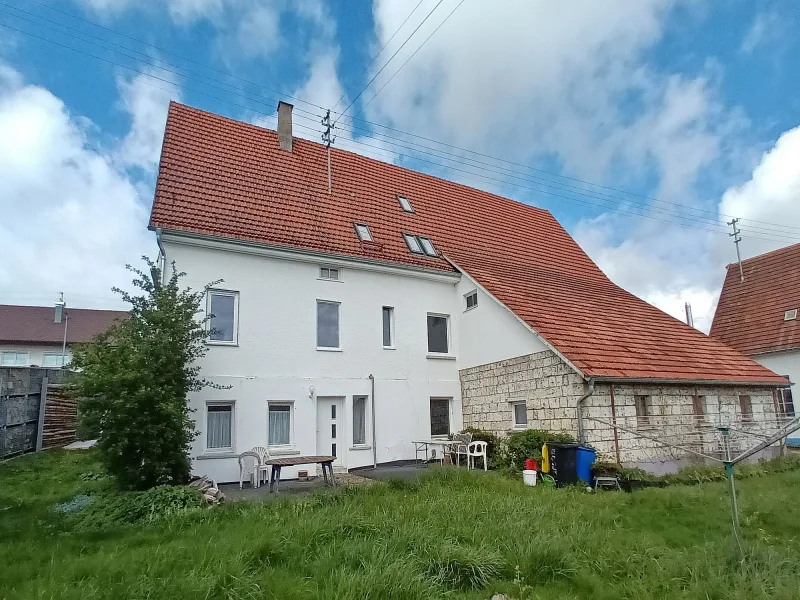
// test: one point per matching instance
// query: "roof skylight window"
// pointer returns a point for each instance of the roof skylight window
(363, 232)
(790, 315)
(427, 246)
(406, 204)
(413, 243)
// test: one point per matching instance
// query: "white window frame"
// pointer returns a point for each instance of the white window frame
(57, 355)
(514, 404)
(364, 235)
(413, 243)
(290, 445)
(427, 246)
(405, 204)
(232, 449)
(235, 295)
(16, 354)
(316, 329)
(790, 315)
(325, 274)
(431, 353)
(367, 417)
(391, 346)
(449, 399)
(466, 301)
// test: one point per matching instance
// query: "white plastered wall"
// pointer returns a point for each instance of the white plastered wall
(35, 352)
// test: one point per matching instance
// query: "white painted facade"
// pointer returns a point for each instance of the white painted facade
(276, 358)
(783, 363)
(34, 354)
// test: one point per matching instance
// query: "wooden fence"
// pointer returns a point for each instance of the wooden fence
(28, 419)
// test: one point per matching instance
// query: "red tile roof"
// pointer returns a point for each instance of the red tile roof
(35, 324)
(750, 314)
(226, 178)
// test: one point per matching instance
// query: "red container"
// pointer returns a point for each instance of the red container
(531, 465)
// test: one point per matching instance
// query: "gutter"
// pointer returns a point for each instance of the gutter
(372, 414)
(581, 437)
(691, 382)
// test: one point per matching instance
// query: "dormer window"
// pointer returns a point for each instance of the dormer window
(405, 203)
(363, 232)
(790, 315)
(413, 244)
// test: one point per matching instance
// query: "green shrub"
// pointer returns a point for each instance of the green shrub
(131, 508)
(603, 468)
(528, 444)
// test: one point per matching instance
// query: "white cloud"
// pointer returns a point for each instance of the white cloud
(765, 27)
(147, 102)
(183, 11)
(258, 32)
(72, 218)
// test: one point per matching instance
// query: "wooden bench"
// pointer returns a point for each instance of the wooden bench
(292, 461)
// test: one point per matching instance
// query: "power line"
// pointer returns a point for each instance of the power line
(386, 64)
(361, 110)
(479, 165)
(389, 41)
(788, 229)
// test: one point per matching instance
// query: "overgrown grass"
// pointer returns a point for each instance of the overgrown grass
(452, 534)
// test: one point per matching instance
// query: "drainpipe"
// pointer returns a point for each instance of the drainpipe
(581, 437)
(372, 414)
(163, 256)
(614, 420)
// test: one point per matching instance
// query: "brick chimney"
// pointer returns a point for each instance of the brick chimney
(285, 125)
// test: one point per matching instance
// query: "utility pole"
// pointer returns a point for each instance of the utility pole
(328, 139)
(737, 237)
(61, 315)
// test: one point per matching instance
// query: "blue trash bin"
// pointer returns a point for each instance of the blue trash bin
(585, 459)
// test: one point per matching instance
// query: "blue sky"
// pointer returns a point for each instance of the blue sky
(663, 102)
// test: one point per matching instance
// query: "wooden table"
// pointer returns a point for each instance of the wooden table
(291, 461)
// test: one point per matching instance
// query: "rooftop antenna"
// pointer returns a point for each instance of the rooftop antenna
(737, 237)
(328, 139)
(689, 317)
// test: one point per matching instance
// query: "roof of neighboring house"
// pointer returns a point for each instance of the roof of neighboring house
(225, 178)
(36, 325)
(750, 314)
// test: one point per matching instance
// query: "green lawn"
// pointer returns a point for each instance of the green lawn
(454, 534)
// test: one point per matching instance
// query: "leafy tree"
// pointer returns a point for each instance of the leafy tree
(132, 381)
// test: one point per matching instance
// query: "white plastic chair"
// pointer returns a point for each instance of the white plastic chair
(475, 450)
(263, 456)
(460, 449)
(249, 464)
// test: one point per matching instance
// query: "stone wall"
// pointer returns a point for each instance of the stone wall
(551, 389)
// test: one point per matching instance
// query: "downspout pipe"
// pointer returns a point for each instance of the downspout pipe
(372, 414)
(581, 436)
(163, 255)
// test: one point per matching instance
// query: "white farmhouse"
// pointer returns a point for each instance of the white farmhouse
(365, 305)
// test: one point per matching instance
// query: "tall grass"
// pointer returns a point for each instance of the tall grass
(452, 534)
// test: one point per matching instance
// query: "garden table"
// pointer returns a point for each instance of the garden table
(291, 461)
(424, 445)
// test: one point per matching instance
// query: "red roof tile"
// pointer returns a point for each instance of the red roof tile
(35, 324)
(750, 314)
(226, 178)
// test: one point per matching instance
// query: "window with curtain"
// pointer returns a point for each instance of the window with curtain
(219, 420)
(359, 420)
(280, 425)
(440, 416)
(224, 310)
(327, 324)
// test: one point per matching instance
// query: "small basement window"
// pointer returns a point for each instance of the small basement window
(790, 315)
(328, 273)
(427, 246)
(406, 204)
(471, 299)
(363, 232)
(413, 243)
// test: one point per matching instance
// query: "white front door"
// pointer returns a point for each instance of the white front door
(331, 435)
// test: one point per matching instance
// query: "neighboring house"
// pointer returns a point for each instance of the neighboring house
(396, 306)
(29, 335)
(760, 315)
